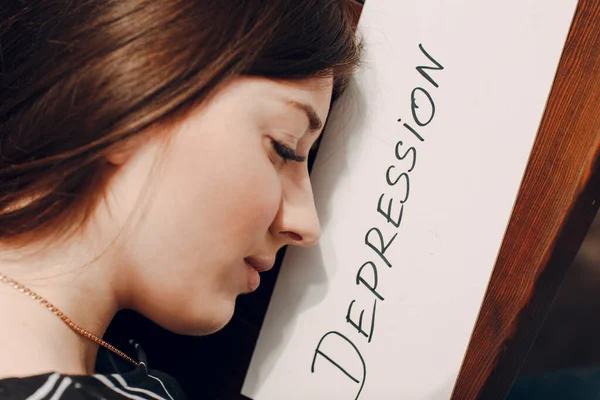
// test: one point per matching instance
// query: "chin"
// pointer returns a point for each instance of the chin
(198, 324)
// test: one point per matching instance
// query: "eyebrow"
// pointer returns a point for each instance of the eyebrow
(314, 122)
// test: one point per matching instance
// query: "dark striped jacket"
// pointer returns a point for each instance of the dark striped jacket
(141, 383)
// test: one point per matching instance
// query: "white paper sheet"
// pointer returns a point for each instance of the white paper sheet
(457, 175)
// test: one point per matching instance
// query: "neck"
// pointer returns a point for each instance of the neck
(33, 340)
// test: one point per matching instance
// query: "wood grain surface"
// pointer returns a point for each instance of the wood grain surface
(557, 202)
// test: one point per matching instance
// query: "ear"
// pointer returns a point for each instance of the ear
(122, 151)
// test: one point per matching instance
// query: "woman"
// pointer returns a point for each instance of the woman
(152, 157)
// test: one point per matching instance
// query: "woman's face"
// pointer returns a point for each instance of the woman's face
(222, 200)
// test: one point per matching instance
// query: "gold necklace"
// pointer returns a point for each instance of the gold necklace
(87, 334)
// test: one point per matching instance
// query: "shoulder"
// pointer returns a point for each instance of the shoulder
(139, 384)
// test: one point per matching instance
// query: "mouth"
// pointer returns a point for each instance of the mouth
(260, 264)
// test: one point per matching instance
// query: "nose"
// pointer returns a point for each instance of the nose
(297, 222)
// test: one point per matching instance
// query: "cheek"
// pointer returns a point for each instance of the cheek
(198, 229)
(247, 190)
(227, 198)
(260, 196)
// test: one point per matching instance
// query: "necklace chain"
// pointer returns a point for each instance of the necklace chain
(53, 309)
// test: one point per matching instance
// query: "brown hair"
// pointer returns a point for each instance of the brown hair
(77, 78)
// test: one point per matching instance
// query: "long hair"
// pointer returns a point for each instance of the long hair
(79, 77)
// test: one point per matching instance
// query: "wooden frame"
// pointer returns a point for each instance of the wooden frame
(556, 204)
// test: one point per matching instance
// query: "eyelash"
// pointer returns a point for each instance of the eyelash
(286, 153)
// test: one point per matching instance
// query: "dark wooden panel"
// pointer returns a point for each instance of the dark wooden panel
(557, 202)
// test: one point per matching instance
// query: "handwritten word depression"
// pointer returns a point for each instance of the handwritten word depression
(391, 209)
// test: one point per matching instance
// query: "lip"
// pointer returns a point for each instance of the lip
(260, 264)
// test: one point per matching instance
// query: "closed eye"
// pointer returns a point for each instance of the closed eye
(286, 153)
